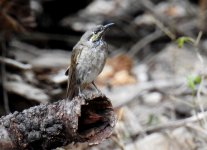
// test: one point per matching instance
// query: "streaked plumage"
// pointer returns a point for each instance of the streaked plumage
(87, 60)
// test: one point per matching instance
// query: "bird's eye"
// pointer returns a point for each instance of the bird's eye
(97, 31)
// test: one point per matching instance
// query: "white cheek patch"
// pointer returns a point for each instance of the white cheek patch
(91, 39)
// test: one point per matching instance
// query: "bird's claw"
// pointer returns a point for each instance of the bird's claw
(82, 96)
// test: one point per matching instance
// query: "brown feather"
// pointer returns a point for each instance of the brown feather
(72, 89)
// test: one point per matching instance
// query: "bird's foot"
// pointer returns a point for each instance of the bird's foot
(98, 92)
(82, 95)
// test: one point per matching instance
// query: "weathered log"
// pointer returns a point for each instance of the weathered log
(52, 125)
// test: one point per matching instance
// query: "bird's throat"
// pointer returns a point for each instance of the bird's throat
(97, 43)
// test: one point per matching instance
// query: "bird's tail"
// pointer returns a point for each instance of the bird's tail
(72, 88)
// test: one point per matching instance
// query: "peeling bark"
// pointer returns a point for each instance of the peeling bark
(58, 124)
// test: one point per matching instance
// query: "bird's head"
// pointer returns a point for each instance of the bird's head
(97, 32)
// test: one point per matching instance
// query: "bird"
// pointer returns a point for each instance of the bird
(87, 60)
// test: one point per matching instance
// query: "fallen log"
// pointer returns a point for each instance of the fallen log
(53, 125)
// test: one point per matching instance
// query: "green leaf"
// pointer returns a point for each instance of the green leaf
(153, 119)
(192, 81)
(180, 41)
(197, 79)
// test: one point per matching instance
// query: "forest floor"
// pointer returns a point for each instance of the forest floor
(155, 75)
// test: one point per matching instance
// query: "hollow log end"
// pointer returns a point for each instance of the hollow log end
(97, 119)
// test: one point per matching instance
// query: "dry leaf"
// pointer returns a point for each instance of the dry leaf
(117, 71)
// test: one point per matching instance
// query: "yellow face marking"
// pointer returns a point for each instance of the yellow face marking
(95, 36)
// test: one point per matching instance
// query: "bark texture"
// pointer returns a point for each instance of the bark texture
(58, 124)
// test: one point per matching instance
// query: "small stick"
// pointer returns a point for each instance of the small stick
(15, 64)
(145, 41)
(172, 125)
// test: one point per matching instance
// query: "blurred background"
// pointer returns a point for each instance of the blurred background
(155, 74)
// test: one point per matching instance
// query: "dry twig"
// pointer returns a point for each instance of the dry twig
(15, 64)
(143, 42)
(172, 125)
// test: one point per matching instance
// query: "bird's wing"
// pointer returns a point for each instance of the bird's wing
(72, 89)
(105, 47)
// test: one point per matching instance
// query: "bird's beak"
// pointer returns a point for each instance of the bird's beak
(105, 27)
(108, 25)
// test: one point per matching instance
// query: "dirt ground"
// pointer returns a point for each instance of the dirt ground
(155, 74)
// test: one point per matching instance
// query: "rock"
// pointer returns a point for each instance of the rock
(152, 98)
(178, 139)
(175, 62)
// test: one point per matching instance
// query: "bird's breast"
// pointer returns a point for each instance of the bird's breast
(91, 62)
